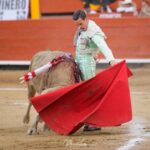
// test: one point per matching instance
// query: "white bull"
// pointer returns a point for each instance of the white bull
(61, 75)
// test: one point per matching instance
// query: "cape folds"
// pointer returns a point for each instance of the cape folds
(102, 101)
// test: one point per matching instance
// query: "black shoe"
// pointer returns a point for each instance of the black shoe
(87, 128)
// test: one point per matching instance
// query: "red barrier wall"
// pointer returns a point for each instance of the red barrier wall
(19, 40)
(60, 6)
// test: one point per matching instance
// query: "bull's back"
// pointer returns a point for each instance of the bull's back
(59, 75)
(43, 57)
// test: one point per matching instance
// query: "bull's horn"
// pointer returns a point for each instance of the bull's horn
(21, 78)
(21, 82)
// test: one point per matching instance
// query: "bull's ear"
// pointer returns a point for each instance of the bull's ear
(48, 49)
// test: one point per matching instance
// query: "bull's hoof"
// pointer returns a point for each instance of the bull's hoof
(32, 131)
(45, 128)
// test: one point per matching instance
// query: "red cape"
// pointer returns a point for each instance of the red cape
(102, 101)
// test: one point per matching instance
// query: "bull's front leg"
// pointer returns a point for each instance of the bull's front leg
(33, 129)
(26, 117)
(31, 93)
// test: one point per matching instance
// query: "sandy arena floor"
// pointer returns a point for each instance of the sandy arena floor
(134, 135)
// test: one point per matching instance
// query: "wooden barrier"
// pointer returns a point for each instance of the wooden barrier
(20, 40)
